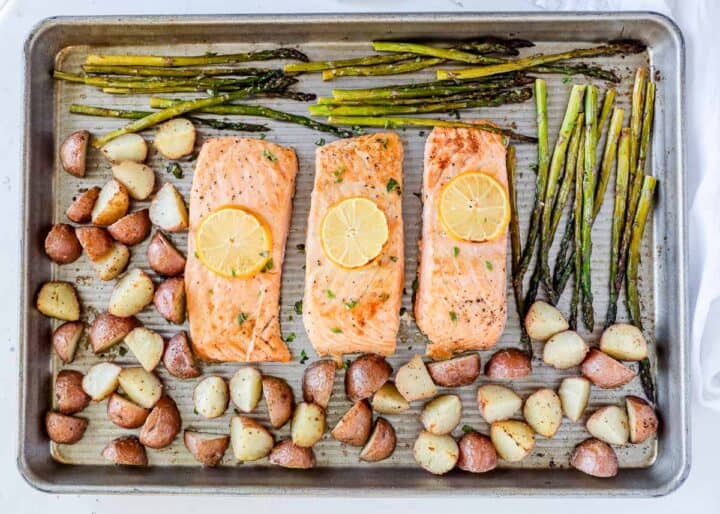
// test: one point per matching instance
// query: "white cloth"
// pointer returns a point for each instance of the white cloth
(702, 121)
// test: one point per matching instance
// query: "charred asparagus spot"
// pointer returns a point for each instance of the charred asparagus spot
(588, 195)
(612, 48)
(193, 60)
(449, 54)
(618, 222)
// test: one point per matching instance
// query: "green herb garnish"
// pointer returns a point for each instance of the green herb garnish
(268, 265)
(269, 155)
(456, 251)
(298, 307)
(488, 265)
(320, 142)
(242, 317)
(303, 357)
(290, 337)
(174, 169)
(335, 330)
(453, 316)
(467, 429)
(351, 304)
(329, 294)
(392, 185)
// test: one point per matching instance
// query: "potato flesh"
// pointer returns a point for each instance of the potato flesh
(211, 397)
(574, 395)
(413, 380)
(437, 454)
(308, 424)
(513, 440)
(147, 347)
(565, 350)
(131, 294)
(128, 147)
(246, 388)
(111, 265)
(388, 400)
(610, 424)
(441, 415)
(168, 210)
(624, 342)
(543, 412)
(112, 204)
(544, 321)
(59, 300)
(101, 380)
(142, 387)
(175, 138)
(138, 179)
(250, 440)
(497, 402)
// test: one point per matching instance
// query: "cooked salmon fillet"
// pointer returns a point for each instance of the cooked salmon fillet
(259, 176)
(460, 301)
(355, 310)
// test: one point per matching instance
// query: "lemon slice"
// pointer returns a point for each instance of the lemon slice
(474, 207)
(353, 232)
(233, 242)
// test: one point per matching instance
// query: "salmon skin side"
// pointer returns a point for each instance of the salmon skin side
(356, 310)
(259, 176)
(460, 302)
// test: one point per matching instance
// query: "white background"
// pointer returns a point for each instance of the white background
(700, 494)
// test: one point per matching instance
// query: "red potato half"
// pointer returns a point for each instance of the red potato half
(413, 380)
(80, 211)
(318, 381)
(142, 387)
(179, 359)
(62, 245)
(308, 424)
(543, 412)
(609, 424)
(508, 364)
(477, 453)
(210, 397)
(162, 424)
(59, 300)
(381, 443)
(65, 339)
(137, 178)
(107, 330)
(131, 294)
(169, 300)
(111, 205)
(574, 395)
(246, 388)
(543, 321)
(208, 449)
(437, 454)
(112, 264)
(249, 439)
(96, 241)
(132, 228)
(455, 372)
(624, 342)
(642, 419)
(604, 371)
(163, 257)
(73, 152)
(513, 440)
(64, 429)
(388, 400)
(442, 414)
(595, 458)
(289, 455)
(128, 147)
(147, 346)
(69, 394)
(365, 375)
(279, 399)
(125, 413)
(126, 451)
(355, 425)
(175, 138)
(101, 380)
(168, 210)
(497, 402)
(565, 350)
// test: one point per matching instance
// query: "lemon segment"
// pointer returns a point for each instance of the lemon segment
(353, 232)
(474, 207)
(233, 242)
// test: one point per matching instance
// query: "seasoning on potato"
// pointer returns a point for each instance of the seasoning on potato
(246, 388)
(73, 152)
(59, 300)
(279, 399)
(437, 454)
(80, 211)
(210, 397)
(413, 380)
(318, 381)
(163, 257)
(169, 300)
(62, 245)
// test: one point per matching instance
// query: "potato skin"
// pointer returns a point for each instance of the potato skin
(209, 451)
(381, 443)
(125, 413)
(318, 381)
(73, 152)
(455, 372)
(477, 453)
(643, 419)
(70, 397)
(62, 245)
(595, 458)
(365, 376)
(163, 257)
(355, 425)
(279, 398)
(162, 424)
(64, 429)
(96, 242)
(107, 210)
(126, 451)
(107, 330)
(132, 228)
(169, 300)
(80, 211)
(289, 455)
(65, 339)
(178, 357)
(508, 364)
(604, 371)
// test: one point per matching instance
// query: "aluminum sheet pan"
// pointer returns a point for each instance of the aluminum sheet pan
(652, 468)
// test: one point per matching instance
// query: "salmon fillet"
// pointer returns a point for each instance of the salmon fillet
(355, 310)
(460, 302)
(260, 176)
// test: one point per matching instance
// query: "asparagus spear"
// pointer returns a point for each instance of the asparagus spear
(397, 122)
(154, 71)
(636, 114)
(612, 48)
(424, 89)
(611, 143)
(260, 111)
(636, 179)
(577, 69)
(575, 261)
(515, 245)
(458, 97)
(416, 64)
(633, 298)
(621, 190)
(442, 106)
(144, 83)
(449, 54)
(193, 60)
(368, 60)
(605, 110)
(556, 165)
(540, 187)
(588, 195)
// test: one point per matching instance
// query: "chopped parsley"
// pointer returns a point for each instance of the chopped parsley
(320, 142)
(269, 155)
(232, 272)
(467, 429)
(351, 304)
(196, 254)
(174, 169)
(329, 294)
(290, 337)
(335, 330)
(298, 307)
(122, 351)
(268, 265)
(303, 357)
(393, 185)
(346, 364)
(421, 133)
(456, 251)
(566, 79)
(453, 316)
(384, 296)
(394, 258)
(242, 317)
(488, 265)
(338, 174)
(262, 136)
(300, 247)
